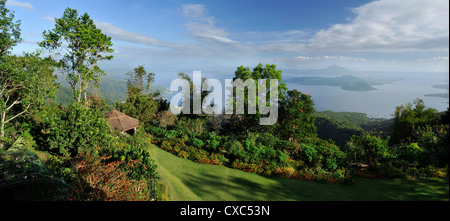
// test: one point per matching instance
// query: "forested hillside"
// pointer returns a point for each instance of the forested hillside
(339, 126)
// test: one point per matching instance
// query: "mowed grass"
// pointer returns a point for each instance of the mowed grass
(190, 181)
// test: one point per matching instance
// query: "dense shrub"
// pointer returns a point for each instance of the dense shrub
(166, 119)
(234, 149)
(368, 149)
(134, 148)
(409, 117)
(191, 126)
(99, 179)
(213, 141)
(194, 141)
(75, 129)
(139, 106)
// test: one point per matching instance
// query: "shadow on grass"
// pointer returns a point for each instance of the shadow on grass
(214, 187)
(232, 187)
(429, 189)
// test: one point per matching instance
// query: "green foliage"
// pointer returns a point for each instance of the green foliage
(410, 152)
(85, 45)
(250, 122)
(368, 149)
(133, 148)
(76, 129)
(296, 119)
(309, 154)
(170, 134)
(86, 153)
(321, 154)
(408, 118)
(235, 149)
(136, 81)
(25, 82)
(139, 105)
(213, 141)
(194, 141)
(166, 119)
(190, 126)
(9, 32)
(433, 139)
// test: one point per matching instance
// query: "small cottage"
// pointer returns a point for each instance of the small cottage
(121, 122)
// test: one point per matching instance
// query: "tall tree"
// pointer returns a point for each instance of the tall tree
(150, 80)
(136, 81)
(138, 104)
(9, 30)
(250, 122)
(84, 47)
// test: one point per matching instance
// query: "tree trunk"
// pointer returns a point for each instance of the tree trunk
(2, 134)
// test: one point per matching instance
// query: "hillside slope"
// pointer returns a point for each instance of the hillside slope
(189, 181)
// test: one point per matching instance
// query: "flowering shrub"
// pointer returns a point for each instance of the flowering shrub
(98, 180)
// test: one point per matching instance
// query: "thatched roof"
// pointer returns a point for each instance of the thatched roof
(120, 121)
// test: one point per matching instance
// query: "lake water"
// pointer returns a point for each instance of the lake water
(378, 103)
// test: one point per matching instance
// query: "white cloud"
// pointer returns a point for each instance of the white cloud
(196, 12)
(207, 32)
(120, 34)
(201, 25)
(19, 4)
(51, 19)
(384, 26)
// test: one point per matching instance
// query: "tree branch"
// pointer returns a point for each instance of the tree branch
(14, 103)
(12, 118)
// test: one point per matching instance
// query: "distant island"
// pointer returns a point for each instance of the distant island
(442, 95)
(346, 82)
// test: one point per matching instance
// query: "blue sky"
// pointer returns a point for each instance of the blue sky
(220, 35)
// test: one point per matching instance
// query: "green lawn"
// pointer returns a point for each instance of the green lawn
(189, 181)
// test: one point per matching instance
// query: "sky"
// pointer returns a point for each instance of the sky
(220, 35)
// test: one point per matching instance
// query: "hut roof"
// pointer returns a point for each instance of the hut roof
(120, 121)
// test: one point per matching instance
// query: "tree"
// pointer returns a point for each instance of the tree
(9, 30)
(139, 105)
(84, 46)
(296, 116)
(250, 122)
(136, 81)
(193, 91)
(409, 118)
(25, 83)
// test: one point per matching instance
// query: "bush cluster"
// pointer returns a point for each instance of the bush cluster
(261, 153)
